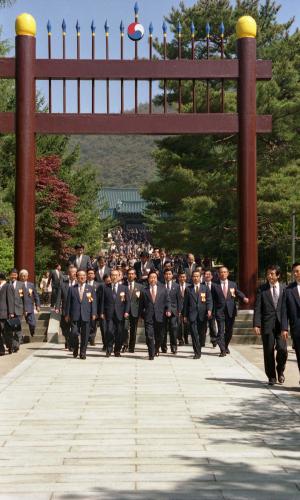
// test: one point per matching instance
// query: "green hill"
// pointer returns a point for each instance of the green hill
(122, 161)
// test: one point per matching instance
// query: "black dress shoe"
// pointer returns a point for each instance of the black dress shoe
(92, 342)
(281, 379)
(2, 353)
(66, 345)
(131, 350)
(222, 354)
(75, 352)
(197, 356)
(124, 348)
(164, 350)
(117, 354)
(82, 356)
(157, 353)
(186, 342)
(272, 381)
(180, 342)
(151, 358)
(214, 344)
(227, 350)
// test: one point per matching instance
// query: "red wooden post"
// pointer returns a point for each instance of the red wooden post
(25, 144)
(248, 254)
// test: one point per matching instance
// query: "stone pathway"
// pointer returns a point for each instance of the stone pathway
(173, 428)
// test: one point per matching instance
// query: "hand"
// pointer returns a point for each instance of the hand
(284, 334)
(209, 314)
(94, 317)
(38, 309)
(256, 330)
(245, 300)
(126, 315)
(168, 314)
(57, 311)
(102, 316)
(185, 320)
(67, 319)
(11, 315)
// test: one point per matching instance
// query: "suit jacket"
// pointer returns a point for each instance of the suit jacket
(107, 270)
(118, 306)
(83, 310)
(85, 262)
(174, 295)
(18, 296)
(291, 309)
(188, 271)
(155, 310)
(195, 304)
(135, 300)
(139, 272)
(62, 295)
(31, 297)
(181, 297)
(265, 313)
(54, 279)
(227, 304)
(7, 301)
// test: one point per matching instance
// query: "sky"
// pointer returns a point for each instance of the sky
(98, 10)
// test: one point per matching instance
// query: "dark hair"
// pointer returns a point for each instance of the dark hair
(181, 272)
(2, 276)
(196, 272)
(152, 272)
(296, 264)
(208, 270)
(14, 270)
(167, 270)
(132, 269)
(144, 254)
(274, 267)
(105, 276)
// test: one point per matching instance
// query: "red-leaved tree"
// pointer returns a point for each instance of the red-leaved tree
(55, 212)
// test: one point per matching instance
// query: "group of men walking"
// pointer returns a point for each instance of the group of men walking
(18, 299)
(172, 304)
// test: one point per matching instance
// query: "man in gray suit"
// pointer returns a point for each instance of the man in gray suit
(79, 260)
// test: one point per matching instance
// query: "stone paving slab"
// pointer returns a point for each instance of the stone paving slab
(127, 428)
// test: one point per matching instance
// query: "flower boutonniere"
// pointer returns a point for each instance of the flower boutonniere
(21, 292)
(122, 296)
(137, 293)
(203, 297)
(232, 292)
(30, 291)
(89, 296)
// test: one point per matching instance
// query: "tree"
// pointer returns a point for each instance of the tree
(193, 203)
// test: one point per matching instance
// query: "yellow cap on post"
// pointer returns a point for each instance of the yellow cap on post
(246, 27)
(25, 25)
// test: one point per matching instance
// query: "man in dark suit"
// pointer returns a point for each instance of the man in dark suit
(61, 302)
(171, 322)
(155, 257)
(197, 306)
(31, 300)
(163, 260)
(19, 307)
(95, 285)
(135, 291)
(291, 311)
(211, 322)
(143, 268)
(79, 260)
(267, 323)
(7, 310)
(101, 269)
(114, 309)
(224, 294)
(55, 278)
(183, 328)
(155, 306)
(81, 308)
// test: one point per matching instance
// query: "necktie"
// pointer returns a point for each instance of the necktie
(81, 292)
(224, 289)
(182, 290)
(130, 288)
(197, 289)
(275, 296)
(153, 294)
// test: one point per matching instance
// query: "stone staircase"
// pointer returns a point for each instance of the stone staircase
(243, 329)
(42, 321)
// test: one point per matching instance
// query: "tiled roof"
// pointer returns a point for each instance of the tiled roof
(117, 201)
